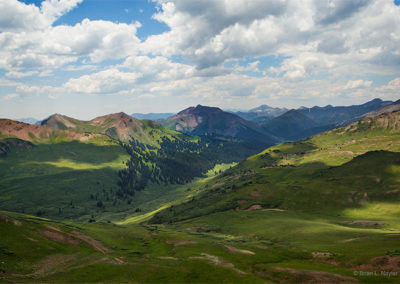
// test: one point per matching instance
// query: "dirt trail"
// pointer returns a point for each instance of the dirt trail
(236, 250)
(61, 238)
(180, 243)
(73, 238)
(53, 228)
(167, 258)
(218, 261)
(254, 207)
(91, 242)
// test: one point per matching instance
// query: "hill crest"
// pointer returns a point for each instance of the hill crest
(119, 126)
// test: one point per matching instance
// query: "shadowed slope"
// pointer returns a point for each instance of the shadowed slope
(202, 120)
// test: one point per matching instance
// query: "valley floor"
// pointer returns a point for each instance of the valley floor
(233, 246)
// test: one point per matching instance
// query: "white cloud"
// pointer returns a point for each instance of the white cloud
(17, 16)
(157, 68)
(107, 81)
(393, 85)
(353, 84)
(28, 39)
(211, 32)
(53, 9)
(16, 74)
(327, 50)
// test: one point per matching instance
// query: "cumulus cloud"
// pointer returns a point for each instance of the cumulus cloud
(353, 84)
(158, 68)
(29, 40)
(17, 16)
(327, 49)
(212, 32)
(107, 81)
(393, 85)
(53, 9)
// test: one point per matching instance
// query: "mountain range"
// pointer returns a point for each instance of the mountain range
(304, 122)
(265, 124)
(273, 124)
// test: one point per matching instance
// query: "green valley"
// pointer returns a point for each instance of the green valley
(323, 209)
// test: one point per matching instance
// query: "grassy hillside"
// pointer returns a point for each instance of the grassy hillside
(291, 175)
(334, 197)
(119, 126)
(90, 176)
(62, 180)
(40, 250)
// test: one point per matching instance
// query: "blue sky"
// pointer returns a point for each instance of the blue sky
(85, 58)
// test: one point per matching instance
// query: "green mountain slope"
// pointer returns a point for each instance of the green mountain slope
(62, 180)
(327, 173)
(119, 126)
(334, 197)
(67, 168)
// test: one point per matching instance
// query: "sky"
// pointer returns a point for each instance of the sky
(85, 58)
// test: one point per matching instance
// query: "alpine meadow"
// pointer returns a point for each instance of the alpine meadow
(180, 141)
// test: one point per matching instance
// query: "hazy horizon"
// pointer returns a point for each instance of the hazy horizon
(174, 112)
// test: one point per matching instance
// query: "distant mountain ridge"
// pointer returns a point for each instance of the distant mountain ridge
(30, 120)
(264, 123)
(293, 125)
(204, 120)
(333, 115)
(304, 122)
(261, 113)
(152, 115)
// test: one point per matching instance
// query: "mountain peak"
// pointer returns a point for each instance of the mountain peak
(376, 100)
(206, 120)
(199, 110)
(59, 121)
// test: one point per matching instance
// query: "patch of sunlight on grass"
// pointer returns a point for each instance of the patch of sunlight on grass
(375, 211)
(219, 167)
(144, 217)
(66, 163)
